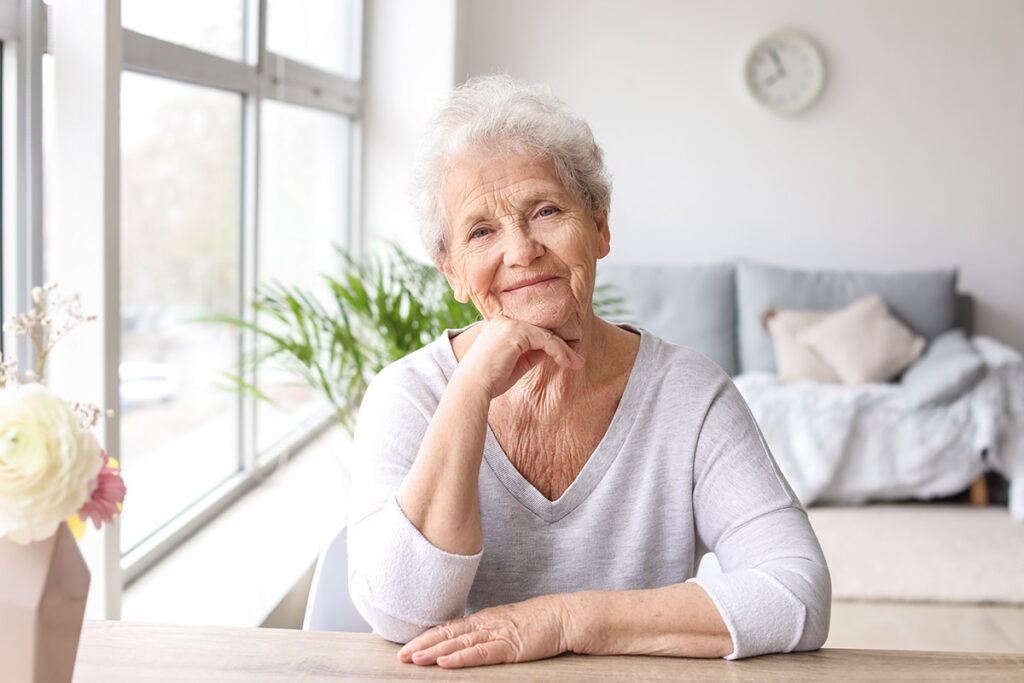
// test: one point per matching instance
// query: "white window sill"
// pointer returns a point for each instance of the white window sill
(252, 565)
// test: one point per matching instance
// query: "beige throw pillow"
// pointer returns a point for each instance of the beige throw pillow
(794, 359)
(864, 342)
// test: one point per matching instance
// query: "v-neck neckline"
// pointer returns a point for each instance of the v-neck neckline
(597, 464)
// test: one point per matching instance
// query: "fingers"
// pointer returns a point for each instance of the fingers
(457, 648)
(431, 654)
(469, 649)
(492, 652)
(432, 637)
(532, 338)
(561, 352)
(518, 632)
(506, 349)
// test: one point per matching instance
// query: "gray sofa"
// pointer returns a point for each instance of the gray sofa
(716, 309)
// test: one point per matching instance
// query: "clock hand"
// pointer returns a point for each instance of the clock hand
(781, 71)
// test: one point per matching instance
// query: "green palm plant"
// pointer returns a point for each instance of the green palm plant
(379, 309)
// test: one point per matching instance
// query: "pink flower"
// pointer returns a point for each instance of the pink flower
(107, 497)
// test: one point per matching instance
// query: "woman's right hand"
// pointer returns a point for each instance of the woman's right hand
(506, 349)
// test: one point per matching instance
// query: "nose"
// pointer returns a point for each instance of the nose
(522, 248)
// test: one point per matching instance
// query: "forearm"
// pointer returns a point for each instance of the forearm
(439, 495)
(678, 620)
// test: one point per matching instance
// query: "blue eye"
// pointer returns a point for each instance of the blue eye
(479, 232)
(546, 211)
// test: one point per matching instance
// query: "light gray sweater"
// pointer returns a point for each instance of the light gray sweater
(682, 468)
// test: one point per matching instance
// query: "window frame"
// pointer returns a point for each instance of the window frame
(260, 75)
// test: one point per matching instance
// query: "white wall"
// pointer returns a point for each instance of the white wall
(912, 158)
(408, 69)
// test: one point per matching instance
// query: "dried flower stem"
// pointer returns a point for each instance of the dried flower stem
(52, 317)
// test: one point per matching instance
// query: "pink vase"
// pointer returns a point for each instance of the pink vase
(43, 587)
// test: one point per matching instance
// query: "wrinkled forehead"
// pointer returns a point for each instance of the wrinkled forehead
(487, 186)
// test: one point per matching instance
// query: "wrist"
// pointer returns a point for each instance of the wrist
(469, 390)
(576, 613)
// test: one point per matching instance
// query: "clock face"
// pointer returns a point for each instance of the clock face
(785, 72)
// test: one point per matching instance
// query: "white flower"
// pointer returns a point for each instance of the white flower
(49, 464)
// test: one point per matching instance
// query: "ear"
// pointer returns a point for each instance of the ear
(604, 237)
(457, 289)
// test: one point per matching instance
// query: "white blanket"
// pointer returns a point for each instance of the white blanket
(847, 445)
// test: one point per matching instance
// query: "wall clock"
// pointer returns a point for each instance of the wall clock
(785, 72)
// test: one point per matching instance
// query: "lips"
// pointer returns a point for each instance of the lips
(523, 284)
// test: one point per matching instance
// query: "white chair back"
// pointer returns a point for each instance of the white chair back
(329, 607)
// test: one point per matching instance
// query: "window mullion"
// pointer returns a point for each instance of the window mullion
(28, 245)
(250, 272)
(156, 57)
(86, 220)
(10, 13)
(291, 81)
(255, 39)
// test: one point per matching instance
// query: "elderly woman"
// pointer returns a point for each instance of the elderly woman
(554, 476)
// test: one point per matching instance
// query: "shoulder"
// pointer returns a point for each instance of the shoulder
(669, 365)
(418, 379)
(679, 381)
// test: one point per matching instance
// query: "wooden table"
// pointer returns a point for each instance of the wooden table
(112, 651)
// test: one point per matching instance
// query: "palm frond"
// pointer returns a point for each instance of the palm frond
(375, 311)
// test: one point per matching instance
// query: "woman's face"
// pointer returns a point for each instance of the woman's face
(520, 243)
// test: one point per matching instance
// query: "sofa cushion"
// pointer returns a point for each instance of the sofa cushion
(925, 300)
(863, 342)
(796, 360)
(692, 306)
(949, 367)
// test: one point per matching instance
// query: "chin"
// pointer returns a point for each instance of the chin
(551, 316)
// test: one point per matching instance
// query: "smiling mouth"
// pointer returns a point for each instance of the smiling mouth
(532, 283)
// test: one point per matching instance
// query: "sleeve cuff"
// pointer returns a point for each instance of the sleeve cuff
(761, 614)
(399, 577)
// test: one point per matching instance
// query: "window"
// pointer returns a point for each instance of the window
(181, 174)
(305, 171)
(236, 166)
(317, 32)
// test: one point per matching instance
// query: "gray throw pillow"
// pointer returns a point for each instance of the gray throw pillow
(949, 367)
(689, 305)
(924, 300)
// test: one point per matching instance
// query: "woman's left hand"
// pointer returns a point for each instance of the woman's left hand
(519, 632)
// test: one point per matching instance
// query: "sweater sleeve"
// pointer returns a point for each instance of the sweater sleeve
(774, 592)
(400, 582)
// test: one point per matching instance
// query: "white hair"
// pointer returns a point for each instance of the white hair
(499, 115)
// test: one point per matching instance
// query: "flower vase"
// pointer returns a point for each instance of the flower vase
(43, 588)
